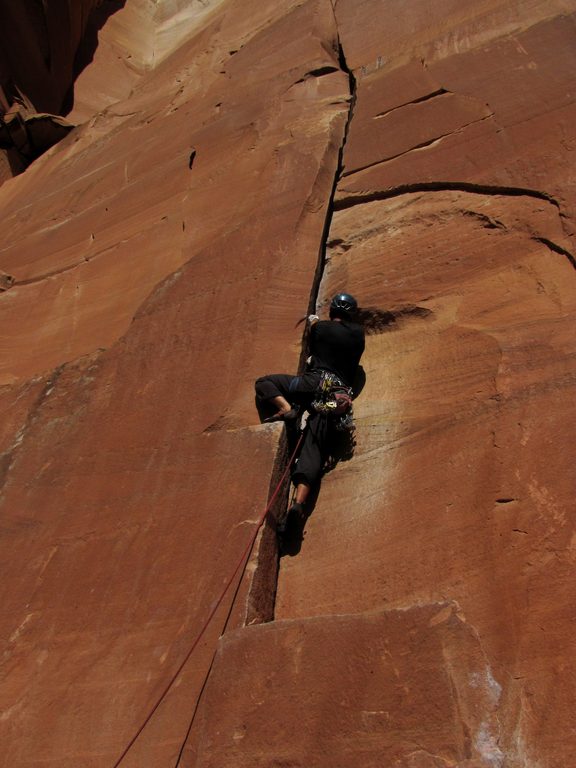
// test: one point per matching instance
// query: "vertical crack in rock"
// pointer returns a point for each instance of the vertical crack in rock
(478, 701)
(261, 597)
(337, 176)
(262, 591)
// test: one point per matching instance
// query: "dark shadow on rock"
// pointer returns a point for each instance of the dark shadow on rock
(89, 43)
(15, 161)
(377, 320)
(26, 138)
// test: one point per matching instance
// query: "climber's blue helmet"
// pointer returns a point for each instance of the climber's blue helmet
(343, 305)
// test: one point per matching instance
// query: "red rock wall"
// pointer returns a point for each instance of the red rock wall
(426, 621)
(148, 296)
(457, 196)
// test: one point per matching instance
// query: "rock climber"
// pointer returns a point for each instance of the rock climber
(324, 389)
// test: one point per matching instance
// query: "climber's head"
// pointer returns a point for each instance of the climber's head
(343, 306)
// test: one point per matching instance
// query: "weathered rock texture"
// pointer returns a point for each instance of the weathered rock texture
(457, 196)
(359, 671)
(155, 262)
(150, 289)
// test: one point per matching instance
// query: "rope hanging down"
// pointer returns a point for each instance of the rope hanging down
(242, 560)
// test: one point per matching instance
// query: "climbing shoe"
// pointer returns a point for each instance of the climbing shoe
(295, 513)
(297, 510)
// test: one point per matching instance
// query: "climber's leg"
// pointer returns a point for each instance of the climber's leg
(271, 396)
(311, 460)
(279, 392)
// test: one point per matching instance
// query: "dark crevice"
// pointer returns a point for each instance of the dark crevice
(6, 281)
(331, 206)
(262, 592)
(506, 500)
(327, 70)
(261, 599)
(557, 249)
(433, 95)
(360, 198)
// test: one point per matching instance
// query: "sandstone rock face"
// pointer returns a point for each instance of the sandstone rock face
(457, 196)
(155, 262)
(359, 671)
(150, 289)
(47, 51)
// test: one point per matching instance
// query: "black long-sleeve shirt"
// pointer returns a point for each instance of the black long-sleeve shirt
(337, 346)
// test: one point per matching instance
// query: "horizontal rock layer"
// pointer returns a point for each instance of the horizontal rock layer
(156, 261)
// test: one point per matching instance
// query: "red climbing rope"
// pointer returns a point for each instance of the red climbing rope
(243, 560)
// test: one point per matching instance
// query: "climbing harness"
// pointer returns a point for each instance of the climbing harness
(334, 398)
(242, 561)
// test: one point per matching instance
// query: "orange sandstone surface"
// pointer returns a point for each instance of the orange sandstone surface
(234, 163)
